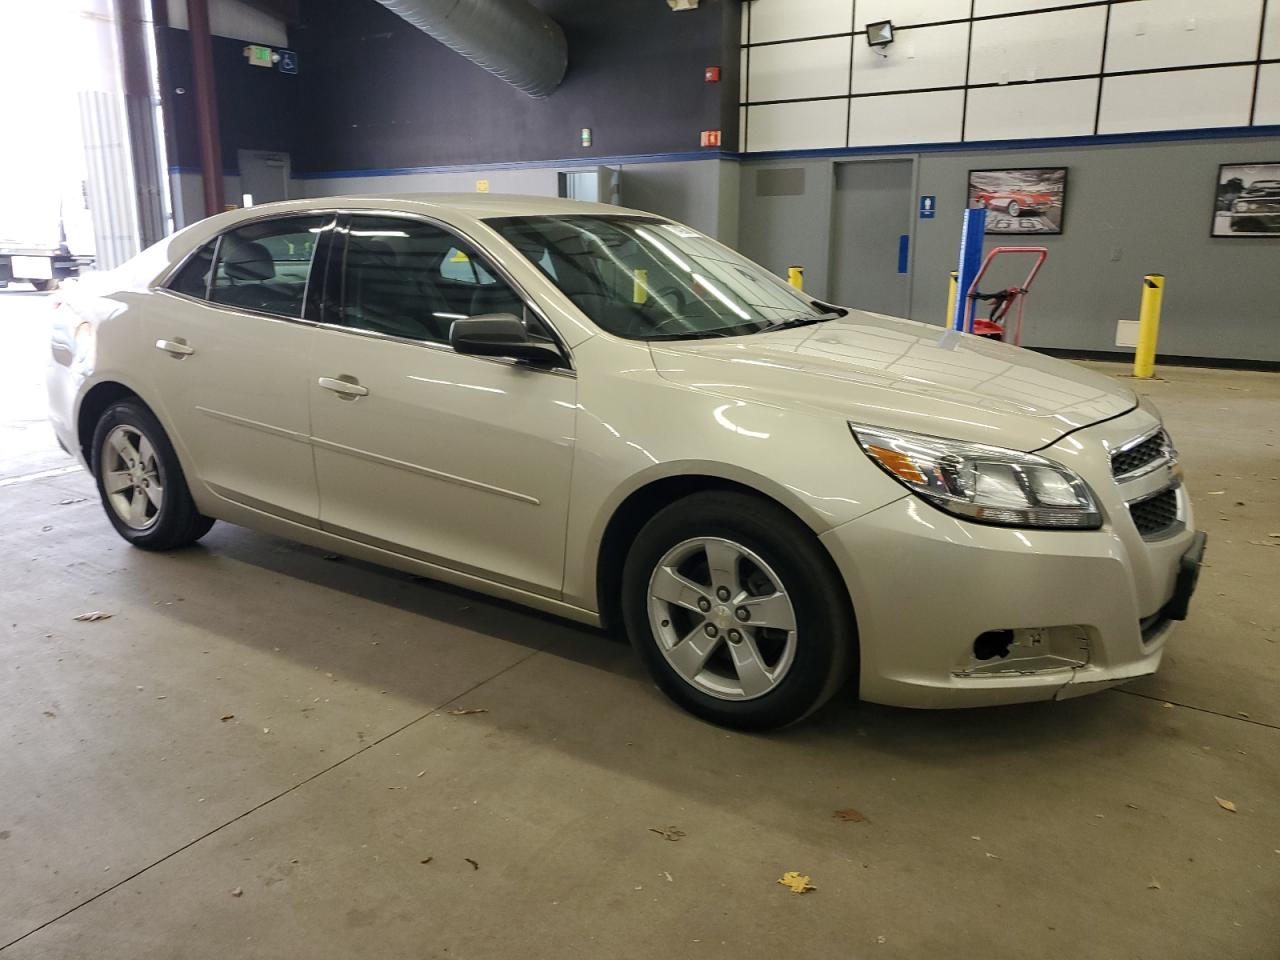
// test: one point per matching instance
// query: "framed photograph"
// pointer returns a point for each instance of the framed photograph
(1248, 200)
(1028, 200)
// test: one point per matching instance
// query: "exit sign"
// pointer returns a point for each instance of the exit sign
(260, 56)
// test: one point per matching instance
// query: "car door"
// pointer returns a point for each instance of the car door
(458, 460)
(230, 361)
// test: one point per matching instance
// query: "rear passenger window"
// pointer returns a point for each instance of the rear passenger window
(193, 279)
(264, 266)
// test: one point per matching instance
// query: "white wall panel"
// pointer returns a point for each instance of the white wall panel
(806, 68)
(919, 58)
(1038, 45)
(1271, 33)
(788, 19)
(989, 8)
(797, 126)
(1174, 33)
(905, 118)
(1268, 108)
(1181, 100)
(1063, 109)
(906, 12)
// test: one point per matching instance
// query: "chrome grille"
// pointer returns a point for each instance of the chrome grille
(1131, 460)
(1155, 515)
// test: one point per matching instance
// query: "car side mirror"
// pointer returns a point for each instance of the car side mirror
(501, 335)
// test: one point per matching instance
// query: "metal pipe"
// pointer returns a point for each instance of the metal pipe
(1144, 359)
(206, 105)
(512, 39)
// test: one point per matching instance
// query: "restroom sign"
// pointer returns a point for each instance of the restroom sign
(928, 208)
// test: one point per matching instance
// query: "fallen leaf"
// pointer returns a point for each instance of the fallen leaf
(1167, 705)
(474, 865)
(849, 816)
(91, 617)
(266, 729)
(237, 892)
(668, 833)
(421, 773)
(1132, 806)
(669, 880)
(1242, 714)
(428, 860)
(881, 940)
(1226, 804)
(467, 711)
(975, 837)
(1154, 884)
(993, 856)
(229, 716)
(796, 882)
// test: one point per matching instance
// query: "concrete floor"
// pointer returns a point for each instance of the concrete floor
(255, 757)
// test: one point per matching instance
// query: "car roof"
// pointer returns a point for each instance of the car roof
(472, 205)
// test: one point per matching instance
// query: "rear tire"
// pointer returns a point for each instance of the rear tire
(140, 480)
(44, 286)
(738, 611)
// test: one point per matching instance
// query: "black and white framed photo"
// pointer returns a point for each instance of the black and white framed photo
(1027, 200)
(1248, 200)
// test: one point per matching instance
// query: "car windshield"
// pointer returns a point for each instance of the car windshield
(649, 279)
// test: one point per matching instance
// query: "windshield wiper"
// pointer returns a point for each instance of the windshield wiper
(801, 321)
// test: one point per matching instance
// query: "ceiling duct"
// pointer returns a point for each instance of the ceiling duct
(511, 39)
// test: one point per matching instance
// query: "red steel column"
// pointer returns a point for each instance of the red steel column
(206, 105)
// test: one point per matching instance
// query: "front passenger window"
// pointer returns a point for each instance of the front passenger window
(264, 266)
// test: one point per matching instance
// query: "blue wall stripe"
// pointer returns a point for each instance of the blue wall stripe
(904, 252)
(959, 146)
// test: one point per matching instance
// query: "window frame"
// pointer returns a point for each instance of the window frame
(313, 306)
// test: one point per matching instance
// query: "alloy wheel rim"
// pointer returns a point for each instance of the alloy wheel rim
(722, 618)
(131, 477)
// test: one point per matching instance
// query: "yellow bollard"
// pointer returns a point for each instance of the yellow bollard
(640, 286)
(953, 291)
(1144, 359)
(795, 277)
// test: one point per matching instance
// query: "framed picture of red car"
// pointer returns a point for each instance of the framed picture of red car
(1247, 203)
(1027, 200)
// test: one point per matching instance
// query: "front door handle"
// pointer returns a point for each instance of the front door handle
(175, 348)
(347, 389)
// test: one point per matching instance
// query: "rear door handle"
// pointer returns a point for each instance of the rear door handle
(175, 348)
(347, 389)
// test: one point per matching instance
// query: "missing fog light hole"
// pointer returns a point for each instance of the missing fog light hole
(992, 644)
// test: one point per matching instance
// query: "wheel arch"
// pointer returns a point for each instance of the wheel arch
(94, 403)
(638, 506)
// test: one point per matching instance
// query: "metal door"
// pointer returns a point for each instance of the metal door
(264, 176)
(871, 236)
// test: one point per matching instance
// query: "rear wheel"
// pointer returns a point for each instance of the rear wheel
(1013, 208)
(140, 481)
(737, 611)
(44, 286)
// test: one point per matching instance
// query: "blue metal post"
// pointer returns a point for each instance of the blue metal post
(971, 237)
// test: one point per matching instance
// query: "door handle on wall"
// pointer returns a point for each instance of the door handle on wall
(175, 348)
(346, 389)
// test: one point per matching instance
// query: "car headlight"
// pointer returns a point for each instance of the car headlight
(983, 483)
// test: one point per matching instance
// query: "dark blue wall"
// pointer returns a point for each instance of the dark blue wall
(378, 93)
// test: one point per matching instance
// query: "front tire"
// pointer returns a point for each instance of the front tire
(140, 481)
(1014, 209)
(44, 286)
(737, 611)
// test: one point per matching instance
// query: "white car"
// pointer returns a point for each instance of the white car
(606, 415)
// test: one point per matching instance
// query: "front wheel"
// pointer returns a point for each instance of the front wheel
(143, 489)
(737, 611)
(1013, 208)
(44, 286)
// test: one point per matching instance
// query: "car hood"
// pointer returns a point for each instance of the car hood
(889, 372)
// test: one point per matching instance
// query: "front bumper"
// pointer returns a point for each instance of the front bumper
(926, 585)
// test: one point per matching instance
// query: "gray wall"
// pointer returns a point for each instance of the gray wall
(1152, 202)
(701, 193)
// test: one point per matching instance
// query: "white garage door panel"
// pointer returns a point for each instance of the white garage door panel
(906, 12)
(1182, 100)
(905, 118)
(1039, 45)
(807, 68)
(797, 126)
(1268, 109)
(989, 8)
(1154, 33)
(918, 59)
(1064, 109)
(772, 20)
(1271, 33)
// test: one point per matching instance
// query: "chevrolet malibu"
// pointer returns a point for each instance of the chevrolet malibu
(608, 416)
